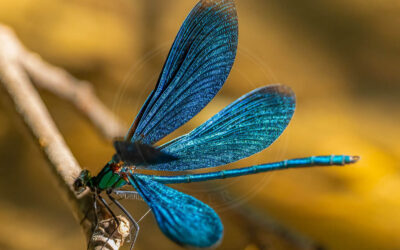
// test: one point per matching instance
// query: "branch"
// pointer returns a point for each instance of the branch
(16, 67)
(261, 220)
(79, 93)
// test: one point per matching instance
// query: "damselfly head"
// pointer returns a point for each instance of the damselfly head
(82, 181)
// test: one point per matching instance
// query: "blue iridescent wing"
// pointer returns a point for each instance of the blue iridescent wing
(181, 217)
(245, 127)
(197, 66)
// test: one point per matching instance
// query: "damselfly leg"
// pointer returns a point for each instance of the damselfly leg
(96, 219)
(114, 217)
(134, 223)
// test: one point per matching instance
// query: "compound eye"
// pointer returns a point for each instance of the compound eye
(78, 184)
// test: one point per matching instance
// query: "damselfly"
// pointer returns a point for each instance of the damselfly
(197, 66)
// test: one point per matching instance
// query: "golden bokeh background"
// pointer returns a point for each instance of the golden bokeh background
(341, 57)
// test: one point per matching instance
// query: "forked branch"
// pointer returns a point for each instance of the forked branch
(17, 67)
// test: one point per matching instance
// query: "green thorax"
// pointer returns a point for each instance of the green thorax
(109, 177)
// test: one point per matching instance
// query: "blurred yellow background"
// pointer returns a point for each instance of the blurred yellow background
(341, 57)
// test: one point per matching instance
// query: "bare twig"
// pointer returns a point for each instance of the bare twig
(261, 220)
(79, 93)
(16, 67)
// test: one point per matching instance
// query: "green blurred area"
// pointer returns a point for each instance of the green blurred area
(341, 57)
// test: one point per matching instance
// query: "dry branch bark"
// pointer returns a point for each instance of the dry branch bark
(17, 67)
(79, 93)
